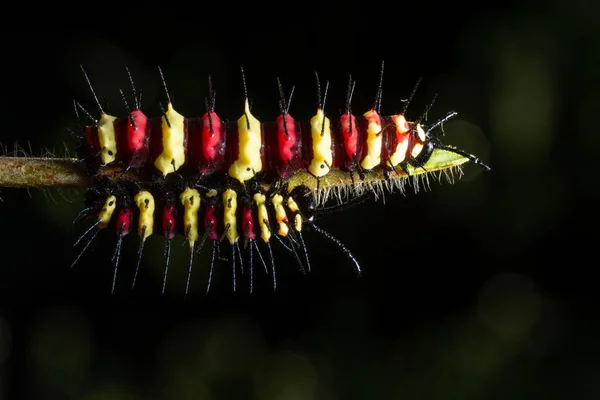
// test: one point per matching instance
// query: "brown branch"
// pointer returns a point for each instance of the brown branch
(43, 172)
(40, 172)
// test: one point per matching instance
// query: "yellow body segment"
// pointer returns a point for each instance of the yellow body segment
(229, 218)
(399, 153)
(298, 222)
(263, 216)
(418, 146)
(280, 215)
(107, 138)
(321, 144)
(293, 206)
(374, 141)
(107, 211)
(145, 203)
(249, 162)
(190, 199)
(173, 134)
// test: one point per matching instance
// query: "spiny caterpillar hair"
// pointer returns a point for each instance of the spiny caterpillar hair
(241, 187)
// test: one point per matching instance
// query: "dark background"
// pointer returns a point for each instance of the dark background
(479, 290)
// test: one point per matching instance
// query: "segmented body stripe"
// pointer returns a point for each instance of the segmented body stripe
(212, 177)
(188, 142)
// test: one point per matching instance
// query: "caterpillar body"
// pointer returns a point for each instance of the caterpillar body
(235, 183)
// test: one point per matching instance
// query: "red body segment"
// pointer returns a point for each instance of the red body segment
(210, 149)
(124, 221)
(350, 139)
(289, 142)
(212, 136)
(388, 143)
(169, 223)
(210, 221)
(90, 136)
(138, 137)
(248, 223)
(89, 147)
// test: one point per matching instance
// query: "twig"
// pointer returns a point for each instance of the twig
(42, 172)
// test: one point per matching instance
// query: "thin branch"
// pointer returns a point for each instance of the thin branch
(42, 172)
(53, 173)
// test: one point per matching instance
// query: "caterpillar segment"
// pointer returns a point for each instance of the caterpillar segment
(374, 145)
(102, 212)
(297, 220)
(138, 130)
(247, 224)
(350, 132)
(260, 201)
(230, 229)
(112, 139)
(190, 199)
(280, 215)
(169, 227)
(374, 134)
(321, 159)
(288, 158)
(295, 209)
(248, 162)
(400, 140)
(208, 152)
(416, 138)
(123, 140)
(173, 135)
(362, 144)
(105, 141)
(249, 217)
(107, 138)
(122, 227)
(283, 231)
(144, 200)
(137, 127)
(211, 230)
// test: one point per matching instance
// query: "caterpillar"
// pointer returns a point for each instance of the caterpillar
(235, 185)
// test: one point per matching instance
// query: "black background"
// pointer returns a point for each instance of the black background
(482, 289)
